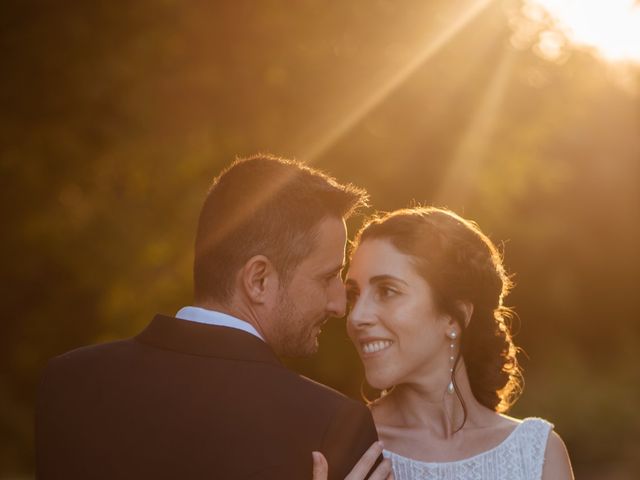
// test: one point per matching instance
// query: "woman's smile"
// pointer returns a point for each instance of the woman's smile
(369, 348)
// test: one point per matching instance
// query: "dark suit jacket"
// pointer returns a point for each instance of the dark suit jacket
(187, 400)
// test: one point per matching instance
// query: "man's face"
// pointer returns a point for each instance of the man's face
(313, 294)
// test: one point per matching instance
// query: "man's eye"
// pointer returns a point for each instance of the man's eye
(332, 277)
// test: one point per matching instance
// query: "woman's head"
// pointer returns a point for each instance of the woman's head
(463, 283)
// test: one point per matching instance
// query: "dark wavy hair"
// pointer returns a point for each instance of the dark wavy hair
(461, 263)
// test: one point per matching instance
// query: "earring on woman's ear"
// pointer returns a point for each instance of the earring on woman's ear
(452, 335)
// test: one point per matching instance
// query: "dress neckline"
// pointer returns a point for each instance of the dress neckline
(466, 459)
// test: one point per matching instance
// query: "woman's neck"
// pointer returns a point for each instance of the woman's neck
(423, 406)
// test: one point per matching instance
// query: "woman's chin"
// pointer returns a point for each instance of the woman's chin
(379, 383)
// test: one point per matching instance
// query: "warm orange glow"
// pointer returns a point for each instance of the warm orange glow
(462, 176)
(611, 28)
(378, 94)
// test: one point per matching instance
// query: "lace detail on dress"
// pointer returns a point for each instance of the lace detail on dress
(519, 457)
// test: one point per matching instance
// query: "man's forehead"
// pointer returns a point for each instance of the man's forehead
(329, 251)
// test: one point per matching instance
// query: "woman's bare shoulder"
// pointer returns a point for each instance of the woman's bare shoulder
(556, 460)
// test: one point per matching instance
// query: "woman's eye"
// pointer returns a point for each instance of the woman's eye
(385, 292)
(352, 296)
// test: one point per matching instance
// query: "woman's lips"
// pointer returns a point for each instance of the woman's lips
(371, 347)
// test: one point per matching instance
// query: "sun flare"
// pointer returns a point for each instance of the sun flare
(611, 27)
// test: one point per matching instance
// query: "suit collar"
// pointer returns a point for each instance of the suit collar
(206, 340)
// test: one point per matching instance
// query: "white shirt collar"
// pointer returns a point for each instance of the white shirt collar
(211, 317)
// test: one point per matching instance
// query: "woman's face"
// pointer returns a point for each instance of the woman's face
(393, 320)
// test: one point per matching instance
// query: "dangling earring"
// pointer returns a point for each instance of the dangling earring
(452, 335)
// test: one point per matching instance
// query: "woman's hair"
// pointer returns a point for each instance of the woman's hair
(461, 264)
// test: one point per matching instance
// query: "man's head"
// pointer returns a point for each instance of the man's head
(270, 244)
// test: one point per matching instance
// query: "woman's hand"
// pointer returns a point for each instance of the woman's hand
(360, 470)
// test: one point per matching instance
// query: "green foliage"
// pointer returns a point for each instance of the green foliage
(116, 117)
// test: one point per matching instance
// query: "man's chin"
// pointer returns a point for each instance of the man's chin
(302, 350)
(309, 349)
(314, 347)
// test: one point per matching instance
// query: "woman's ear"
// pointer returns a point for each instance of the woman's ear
(466, 309)
(259, 280)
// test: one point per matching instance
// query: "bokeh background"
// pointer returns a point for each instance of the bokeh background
(115, 116)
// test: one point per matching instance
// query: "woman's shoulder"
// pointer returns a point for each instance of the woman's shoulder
(550, 447)
(556, 458)
(545, 445)
(535, 431)
(537, 423)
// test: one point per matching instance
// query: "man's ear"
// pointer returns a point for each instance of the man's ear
(259, 279)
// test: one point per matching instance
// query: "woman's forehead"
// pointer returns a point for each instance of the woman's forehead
(380, 257)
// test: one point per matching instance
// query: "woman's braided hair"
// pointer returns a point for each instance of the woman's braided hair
(461, 263)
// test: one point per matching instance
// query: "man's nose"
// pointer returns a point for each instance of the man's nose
(337, 301)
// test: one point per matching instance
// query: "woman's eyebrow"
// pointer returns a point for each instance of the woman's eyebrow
(350, 281)
(385, 278)
(376, 279)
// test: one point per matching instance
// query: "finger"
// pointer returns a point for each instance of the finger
(320, 466)
(366, 462)
(383, 471)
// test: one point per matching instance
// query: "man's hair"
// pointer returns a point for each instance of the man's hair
(263, 205)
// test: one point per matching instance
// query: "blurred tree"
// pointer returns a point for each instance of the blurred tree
(115, 117)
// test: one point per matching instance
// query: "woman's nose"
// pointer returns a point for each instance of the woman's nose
(361, 314)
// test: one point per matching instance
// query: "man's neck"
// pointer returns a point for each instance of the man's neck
(239, 311)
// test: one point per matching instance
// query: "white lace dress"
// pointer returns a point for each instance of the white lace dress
(519, 457)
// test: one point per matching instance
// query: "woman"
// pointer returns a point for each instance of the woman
(426, 290)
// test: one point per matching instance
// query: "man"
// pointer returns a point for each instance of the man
(203, 395)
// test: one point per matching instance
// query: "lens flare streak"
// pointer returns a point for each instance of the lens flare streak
(383, 91)
(461, 176)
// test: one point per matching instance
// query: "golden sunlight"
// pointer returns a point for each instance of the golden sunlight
(611, 27)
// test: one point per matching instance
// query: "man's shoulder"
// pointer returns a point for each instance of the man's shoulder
(321, 394)
(322, 390)
(82, 356)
